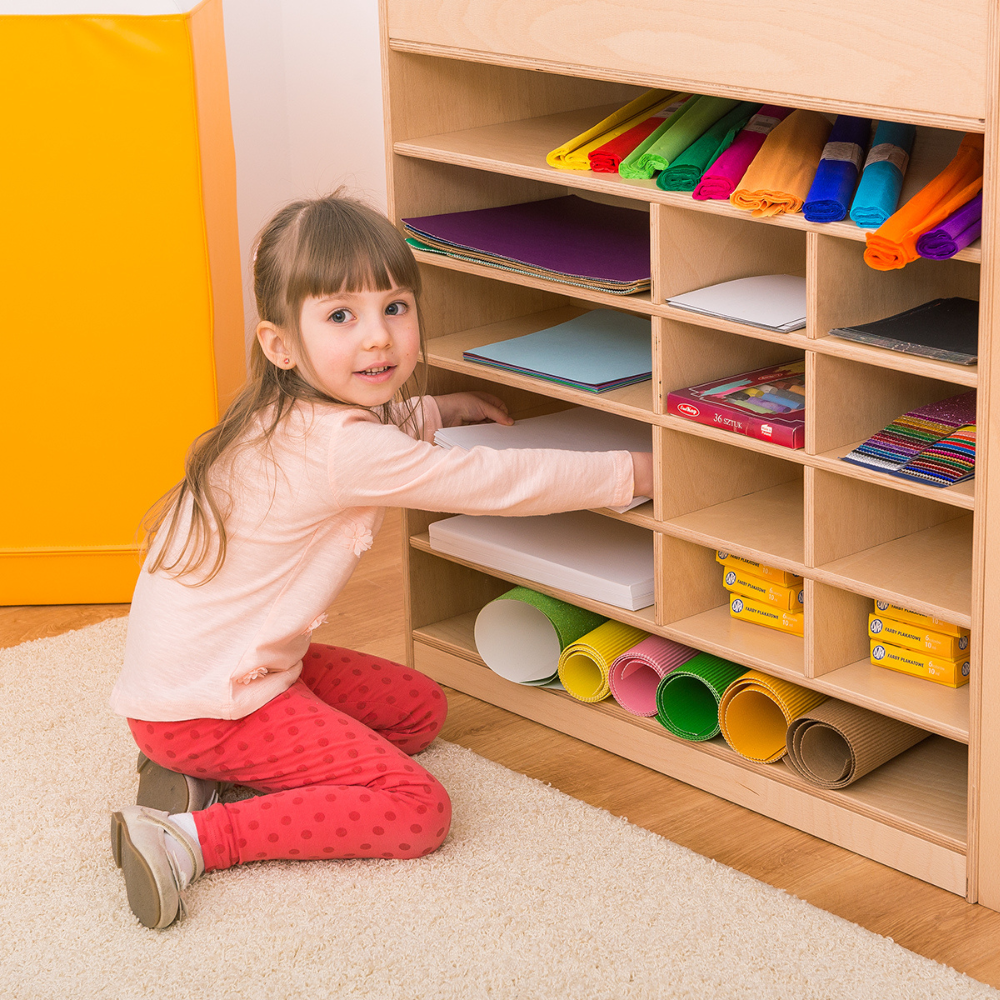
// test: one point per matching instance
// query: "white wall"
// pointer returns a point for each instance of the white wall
(305, 92)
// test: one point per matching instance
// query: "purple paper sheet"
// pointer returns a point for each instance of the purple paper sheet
(963, 226)
(566, 235)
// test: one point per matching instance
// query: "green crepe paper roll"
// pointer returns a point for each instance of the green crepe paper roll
(521, 634)
(687, 700)
(685, 172)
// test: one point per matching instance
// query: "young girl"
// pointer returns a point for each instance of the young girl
(220, 681)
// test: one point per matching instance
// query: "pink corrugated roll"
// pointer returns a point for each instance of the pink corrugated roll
(636, 673)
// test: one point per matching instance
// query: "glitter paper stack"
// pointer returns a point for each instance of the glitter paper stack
(919, 645)
(934, 444)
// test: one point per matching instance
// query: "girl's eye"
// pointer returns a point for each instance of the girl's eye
(340, 315)
(395, 309)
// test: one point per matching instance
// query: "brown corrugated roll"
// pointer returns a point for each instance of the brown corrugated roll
(836, 743)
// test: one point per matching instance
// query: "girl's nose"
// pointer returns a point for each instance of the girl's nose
(378, 334)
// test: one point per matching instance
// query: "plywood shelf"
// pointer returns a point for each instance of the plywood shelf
(929, 571)
(519, 148)
(921, 796)
(881, 357)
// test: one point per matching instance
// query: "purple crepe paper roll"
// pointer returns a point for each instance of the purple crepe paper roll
(635, 674)
(956, 232)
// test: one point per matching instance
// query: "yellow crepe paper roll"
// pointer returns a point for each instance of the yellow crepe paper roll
(573, 155)
(584, 665)
(755, 713)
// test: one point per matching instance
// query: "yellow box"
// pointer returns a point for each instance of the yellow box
(779, 576)
(917, 637)
(953, 673)
(758, 589)
(766, 615)
(894, 611)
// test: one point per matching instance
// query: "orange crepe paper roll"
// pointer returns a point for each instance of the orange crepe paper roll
(780, 175)
(894, 243)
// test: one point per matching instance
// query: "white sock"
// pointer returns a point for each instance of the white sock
(180, 854)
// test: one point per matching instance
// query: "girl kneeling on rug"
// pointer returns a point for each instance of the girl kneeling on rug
(279, 500)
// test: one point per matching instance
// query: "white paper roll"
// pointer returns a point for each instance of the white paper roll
(517, 642)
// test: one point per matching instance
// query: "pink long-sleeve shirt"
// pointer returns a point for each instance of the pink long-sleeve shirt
(300, 516)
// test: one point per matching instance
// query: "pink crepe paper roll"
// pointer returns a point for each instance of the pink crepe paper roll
(636, 673)
(724, 175)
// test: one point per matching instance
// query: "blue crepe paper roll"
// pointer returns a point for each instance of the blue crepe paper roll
(881, 182)
(830, 194)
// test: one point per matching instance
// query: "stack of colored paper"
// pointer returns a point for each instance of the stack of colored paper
(768, 403)
(943, 329)
(919, 645)
(935, 444)
(762, 594)
(570, 240)
(596, 352)
(769, 301)
(577, 551)
(576, 429)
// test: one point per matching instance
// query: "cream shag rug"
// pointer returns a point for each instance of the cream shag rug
(534, 894)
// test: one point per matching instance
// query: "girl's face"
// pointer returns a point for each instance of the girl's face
(359, 347)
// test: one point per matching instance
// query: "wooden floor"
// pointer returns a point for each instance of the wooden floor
(369, 615)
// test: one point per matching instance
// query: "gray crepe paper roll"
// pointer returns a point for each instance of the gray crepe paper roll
(836, 743)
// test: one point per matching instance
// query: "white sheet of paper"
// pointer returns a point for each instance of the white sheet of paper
(576, 429)
(578, 551)
(772, 301)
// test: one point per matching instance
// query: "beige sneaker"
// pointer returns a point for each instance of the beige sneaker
(172, 791)
(153, 881)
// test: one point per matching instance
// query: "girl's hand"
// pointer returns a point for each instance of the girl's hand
(472, 408)
(642, 474)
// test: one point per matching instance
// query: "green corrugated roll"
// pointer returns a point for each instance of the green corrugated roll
(687, 700)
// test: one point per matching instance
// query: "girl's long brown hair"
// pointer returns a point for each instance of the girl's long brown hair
(310, 248)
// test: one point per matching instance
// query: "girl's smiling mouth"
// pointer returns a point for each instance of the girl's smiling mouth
(377, 373)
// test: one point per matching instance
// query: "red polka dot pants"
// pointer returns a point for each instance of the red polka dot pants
(332, 752)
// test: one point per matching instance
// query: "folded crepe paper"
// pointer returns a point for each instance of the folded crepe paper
(687, 124)
(963, 226)
(722, 177)
(584, 665)
(835, 743)
(894, 243)
(830, 194)
(635, 674)
(882, 177)
(565, 239)
(687, 699)
(521, 634)
(755, 712)
(572, 155)
(686, 170)
(914, 432)
(780, 175)
(607, 158)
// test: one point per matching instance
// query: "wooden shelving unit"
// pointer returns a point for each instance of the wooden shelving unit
(476, 93)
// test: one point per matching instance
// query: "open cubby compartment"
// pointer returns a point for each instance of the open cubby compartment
(693, 608)
(427, 187)
(462, 311)
(839, 664)
(848, 292)
(693, 250)
(723, 496)
(848, 401)
(882, 543)
(687, 355)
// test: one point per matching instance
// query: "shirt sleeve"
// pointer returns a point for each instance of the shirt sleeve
(419, 416)
(373, 464)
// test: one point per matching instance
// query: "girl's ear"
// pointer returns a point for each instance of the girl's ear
(272, 342)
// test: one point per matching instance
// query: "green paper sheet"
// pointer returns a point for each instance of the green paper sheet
(687, 700)
(685, 172)
(683, 127)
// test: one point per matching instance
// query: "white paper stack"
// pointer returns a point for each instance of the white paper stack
(769, 301)
(579, 552)
(576, 429)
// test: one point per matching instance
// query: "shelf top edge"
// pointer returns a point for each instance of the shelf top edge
(665, 81)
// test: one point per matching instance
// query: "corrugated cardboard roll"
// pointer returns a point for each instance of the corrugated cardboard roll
(835, 743)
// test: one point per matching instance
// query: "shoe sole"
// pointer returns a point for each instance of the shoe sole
(140, 885)
(163, 789)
